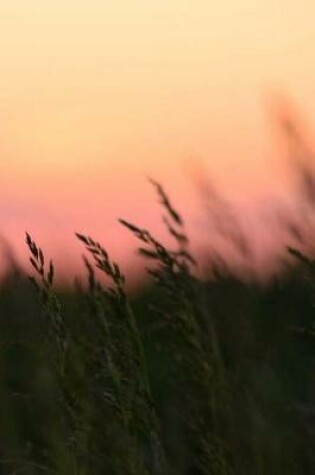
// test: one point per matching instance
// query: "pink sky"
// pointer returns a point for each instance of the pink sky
(96, 95)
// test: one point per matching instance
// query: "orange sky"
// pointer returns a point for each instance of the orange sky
(97, 94)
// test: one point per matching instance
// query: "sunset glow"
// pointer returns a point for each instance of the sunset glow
(97, 95)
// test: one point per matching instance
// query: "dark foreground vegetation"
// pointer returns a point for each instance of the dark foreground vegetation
(190, 377)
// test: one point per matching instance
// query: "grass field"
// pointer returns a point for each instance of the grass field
(190, 376)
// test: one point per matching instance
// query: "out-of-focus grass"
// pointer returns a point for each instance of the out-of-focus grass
(191, 376)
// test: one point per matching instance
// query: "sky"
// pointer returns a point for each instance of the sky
(97, 95)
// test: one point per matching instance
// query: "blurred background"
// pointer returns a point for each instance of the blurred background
(96, 96)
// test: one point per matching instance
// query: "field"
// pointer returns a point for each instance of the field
(190, 376)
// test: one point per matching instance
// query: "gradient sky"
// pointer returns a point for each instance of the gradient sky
(97, 94)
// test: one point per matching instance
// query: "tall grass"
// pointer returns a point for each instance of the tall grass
(195, 377)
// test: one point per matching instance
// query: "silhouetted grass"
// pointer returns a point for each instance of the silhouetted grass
(191, 376)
